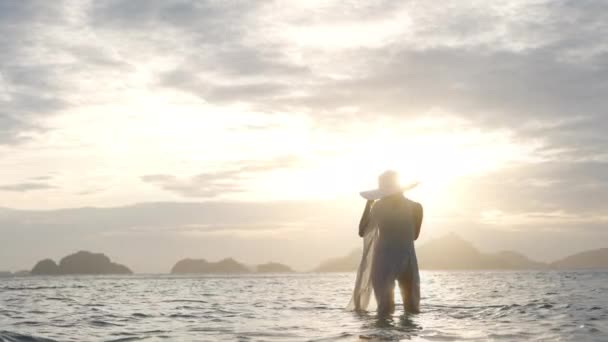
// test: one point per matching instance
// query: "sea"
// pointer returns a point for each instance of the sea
(462, 306)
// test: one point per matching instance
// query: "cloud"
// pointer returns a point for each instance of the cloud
(186, 79)
(516, 65)
(26, 83)
(46, 61)
(536, 69)
(578, 191)
(25, 187)
(41, 178)
(213, 184)
(204, 185)
(90, 192)
(501, 65)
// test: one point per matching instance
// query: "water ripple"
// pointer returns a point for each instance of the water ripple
(475, 306)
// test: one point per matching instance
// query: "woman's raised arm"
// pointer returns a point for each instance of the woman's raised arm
(365, 218)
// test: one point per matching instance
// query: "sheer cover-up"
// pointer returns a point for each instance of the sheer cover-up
(362, 293)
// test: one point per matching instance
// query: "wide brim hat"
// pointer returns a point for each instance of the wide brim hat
(388, 184)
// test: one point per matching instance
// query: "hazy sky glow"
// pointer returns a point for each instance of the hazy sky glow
(499, 109)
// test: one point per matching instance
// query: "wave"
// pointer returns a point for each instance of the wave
(126, 339)
(9, 336)
(35, 288)
(183, 301)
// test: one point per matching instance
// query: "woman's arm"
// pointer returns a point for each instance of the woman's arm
(365, 219)
(418, 215)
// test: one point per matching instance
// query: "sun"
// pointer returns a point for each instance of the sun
(436, 153)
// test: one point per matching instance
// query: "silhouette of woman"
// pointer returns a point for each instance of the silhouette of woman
(389, 227)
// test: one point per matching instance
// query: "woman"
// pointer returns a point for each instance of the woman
(389, 227)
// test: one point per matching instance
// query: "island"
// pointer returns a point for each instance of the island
(597, 258)
(346, 263)
(449, 252)
(197, 266)
(82, 262)
(45, 267)
(225, 266)
(273, 267)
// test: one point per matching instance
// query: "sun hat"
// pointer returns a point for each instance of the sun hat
(388, 184)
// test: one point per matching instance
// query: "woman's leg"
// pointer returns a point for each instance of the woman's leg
(384, 292)
(409, 284)
(383, 282)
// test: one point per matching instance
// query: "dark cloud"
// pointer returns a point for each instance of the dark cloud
(25, 187)
(218, 59)
(43, 61)
(549, 66)
(212, 184)
(25, 86)
(213, 21)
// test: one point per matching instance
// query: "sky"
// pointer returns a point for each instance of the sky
(156, 130)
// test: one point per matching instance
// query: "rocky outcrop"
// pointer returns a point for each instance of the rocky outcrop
(194, 266)
(82, 262)
(273, 267)
(45, 267)
(90, 263)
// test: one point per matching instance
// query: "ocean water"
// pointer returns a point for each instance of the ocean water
(476, 306)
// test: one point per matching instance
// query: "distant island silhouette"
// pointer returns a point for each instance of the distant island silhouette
(228, 265)
(451, 252)
(190, 266)
(273, 267)
(82, 262)
(597, 258)
(346, 263)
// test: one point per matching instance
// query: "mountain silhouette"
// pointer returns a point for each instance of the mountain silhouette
(597, 258)
(449, 252)
(82, 262)
(273, 267)
(45, 267)
(347, 263)
(228, 265)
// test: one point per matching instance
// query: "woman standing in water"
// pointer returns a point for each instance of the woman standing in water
(389, 226)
